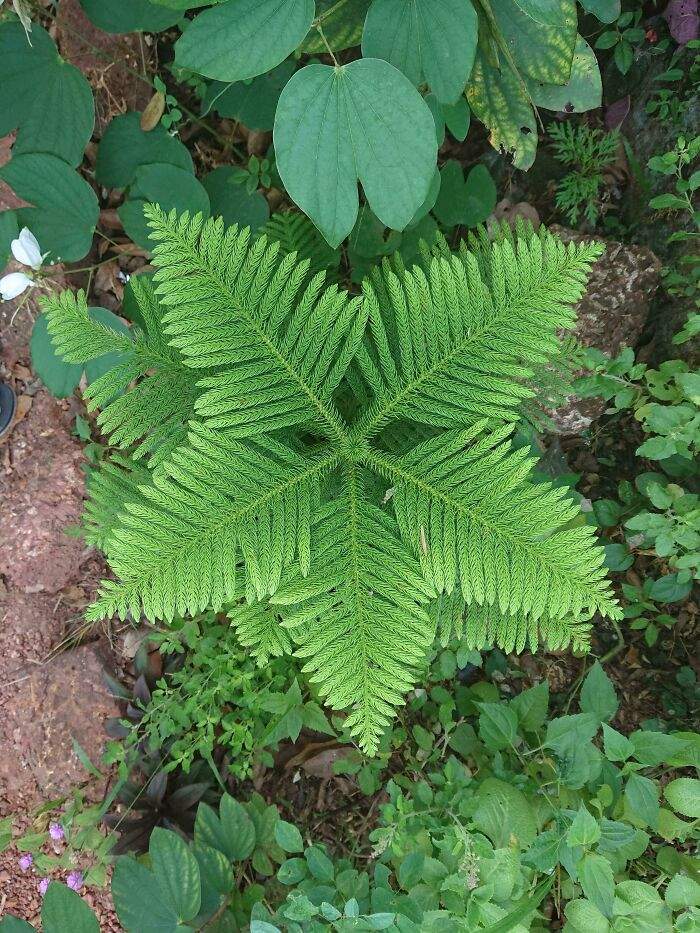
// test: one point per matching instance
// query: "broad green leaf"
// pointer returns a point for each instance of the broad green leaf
(545, 12)
(230, 200)
(208, 831)
(253, 103)
(184, 5)
(216, 876)
(500, 102)
(176, 871)
(457, 118)
(655, 748)
(464, 201)
(498, 725)
(64, 910)
(584, 917)
(541, 52)
(9, 231)
(583, 91)
(319, 864)
(125, 147)
(531, 706)
(644, 899)
(607, 11)
(683, 795)
(238, 827)
(243, 38)
(681, 892)
(431, 40)
(642, 798)
(617, 746)
(584, 830)
(288, 837)
(410, 872)
(567, 731)
(361, 121)
(139, 900)
(598, 694)
(342, 26)
(65, 208)
(504, 811)
(15, 925)
(122, 16)
(47, 100)
(167, 186)
(596, 877)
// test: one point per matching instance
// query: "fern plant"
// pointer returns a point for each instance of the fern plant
(336, 472)
(587, 152)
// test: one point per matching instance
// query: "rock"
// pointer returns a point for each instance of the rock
(611, 315)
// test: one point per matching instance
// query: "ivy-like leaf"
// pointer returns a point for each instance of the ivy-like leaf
(243, 38)
(433, 40)
(361, 121)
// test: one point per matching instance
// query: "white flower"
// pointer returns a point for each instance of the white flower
(26, 250)
(14, 284)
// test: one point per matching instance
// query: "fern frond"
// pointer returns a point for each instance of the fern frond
(484, 627)
(259, 628)
(283, 346)
(464, 503)
(215, 504)
(359, 618)
(108, 487)
(149, 397)
(297, 234)
(464, 337)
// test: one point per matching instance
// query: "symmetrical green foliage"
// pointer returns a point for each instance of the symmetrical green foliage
(340, 527)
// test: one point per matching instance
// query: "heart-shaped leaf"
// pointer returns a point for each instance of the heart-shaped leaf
(243, 38)
(230, 200)
(65, 208)
(254, 102)
(63, 910)
(121, 16)
(125, 146)
(165, 185)
(433, 40)
(361, 121)
(461, 201)
(46, 99)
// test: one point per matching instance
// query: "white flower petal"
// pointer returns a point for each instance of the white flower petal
(14, 284)
(26, 250)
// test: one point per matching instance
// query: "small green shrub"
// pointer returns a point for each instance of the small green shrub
(337, 472)
(586, 151)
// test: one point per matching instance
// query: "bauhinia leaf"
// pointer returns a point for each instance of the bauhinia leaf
(361, 121)
(47, 100)
(431, 40)
(243, 38)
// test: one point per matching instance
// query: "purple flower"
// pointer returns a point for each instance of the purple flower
(26, 861)
(43, 886)
(75, 880)
(56, 832)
